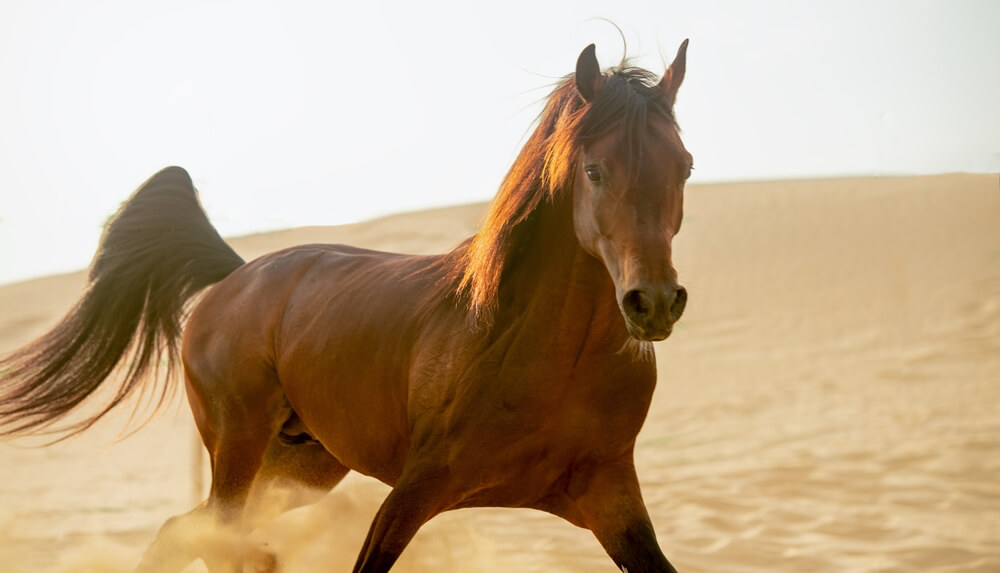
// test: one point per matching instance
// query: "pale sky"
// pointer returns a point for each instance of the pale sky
(313, 113)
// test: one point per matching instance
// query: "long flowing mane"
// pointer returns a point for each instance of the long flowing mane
(544, 170)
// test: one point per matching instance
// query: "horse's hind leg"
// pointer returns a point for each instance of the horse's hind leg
(296, 471)
(237, 428)
(293, 474)
(177, 543)
(212, 531)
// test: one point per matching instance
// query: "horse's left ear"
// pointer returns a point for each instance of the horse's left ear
(674, 75)
(588, 73)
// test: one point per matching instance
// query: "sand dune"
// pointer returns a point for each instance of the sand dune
(830, 402)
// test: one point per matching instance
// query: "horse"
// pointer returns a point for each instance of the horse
(513, 371)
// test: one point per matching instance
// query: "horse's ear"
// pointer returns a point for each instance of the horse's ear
(674, 75)
(588, 73)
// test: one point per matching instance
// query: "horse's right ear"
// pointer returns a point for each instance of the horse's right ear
(588, 73)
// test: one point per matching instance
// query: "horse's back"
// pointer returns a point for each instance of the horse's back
(294, 288)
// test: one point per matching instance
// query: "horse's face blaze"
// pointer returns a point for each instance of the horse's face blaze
(628, 216)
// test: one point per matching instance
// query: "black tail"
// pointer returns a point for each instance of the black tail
(156, 253)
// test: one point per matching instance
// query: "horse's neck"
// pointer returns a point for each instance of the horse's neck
(561, 290)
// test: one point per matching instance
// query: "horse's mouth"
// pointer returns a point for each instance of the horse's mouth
(649, 335)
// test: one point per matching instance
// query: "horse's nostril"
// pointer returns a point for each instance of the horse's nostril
(637, 304)
(677, 306)
(646, 311)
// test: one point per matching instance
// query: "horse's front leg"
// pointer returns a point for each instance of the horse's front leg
(610, 504)
(416, 497)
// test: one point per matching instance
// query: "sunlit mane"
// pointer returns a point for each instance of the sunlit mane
(545, 168)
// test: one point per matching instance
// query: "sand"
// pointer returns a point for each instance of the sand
(830, 402)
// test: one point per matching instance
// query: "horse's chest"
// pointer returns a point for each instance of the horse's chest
(518, 451)
(530, 427)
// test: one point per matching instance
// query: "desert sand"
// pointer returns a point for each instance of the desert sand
(829, 403)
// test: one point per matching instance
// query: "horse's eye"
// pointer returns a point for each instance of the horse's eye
(690, 170)
(593, 173)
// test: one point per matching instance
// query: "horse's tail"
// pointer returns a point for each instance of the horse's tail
(157, 252)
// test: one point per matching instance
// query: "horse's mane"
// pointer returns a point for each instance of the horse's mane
(544, 170)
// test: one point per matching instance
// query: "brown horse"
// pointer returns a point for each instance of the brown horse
(513, 371)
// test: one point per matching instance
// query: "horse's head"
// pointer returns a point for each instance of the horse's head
(628, 187)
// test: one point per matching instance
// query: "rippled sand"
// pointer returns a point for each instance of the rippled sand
(831, 402)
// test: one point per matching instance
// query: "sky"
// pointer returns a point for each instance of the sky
(319, 113)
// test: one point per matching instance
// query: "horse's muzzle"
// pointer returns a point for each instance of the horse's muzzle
(650, 314)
